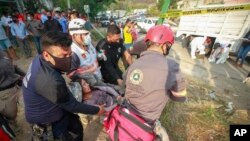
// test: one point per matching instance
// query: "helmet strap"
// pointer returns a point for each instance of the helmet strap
(165, 53)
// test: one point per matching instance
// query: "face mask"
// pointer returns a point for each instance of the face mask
(62, 64)
(87, 40)
(15, 20)
(29, 18)
(49, 17)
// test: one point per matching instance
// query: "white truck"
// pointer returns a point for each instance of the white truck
(227, 26)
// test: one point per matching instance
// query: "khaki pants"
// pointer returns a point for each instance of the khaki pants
(8, 102)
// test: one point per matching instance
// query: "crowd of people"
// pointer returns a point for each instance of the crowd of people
(64, 46)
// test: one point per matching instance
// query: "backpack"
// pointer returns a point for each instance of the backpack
(6, 133)
(123, 125)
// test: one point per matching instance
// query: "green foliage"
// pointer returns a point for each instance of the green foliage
(153, 11)
(173, 4)
(94, 6)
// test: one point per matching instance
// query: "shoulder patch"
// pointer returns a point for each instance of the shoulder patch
(136, 77)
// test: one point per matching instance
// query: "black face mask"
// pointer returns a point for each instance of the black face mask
(49, 17)
(62, 64)
(15, 20)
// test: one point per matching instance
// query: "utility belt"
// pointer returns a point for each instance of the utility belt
(42, 132)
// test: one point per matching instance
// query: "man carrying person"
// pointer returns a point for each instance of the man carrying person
(47, 100)
(153, 79)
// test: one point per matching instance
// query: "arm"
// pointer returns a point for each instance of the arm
(57, 92)
(107, 89)
(12, 31)
(107, 65)
(178, 84)
(127, 57)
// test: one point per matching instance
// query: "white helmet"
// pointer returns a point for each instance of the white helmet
(77, 26)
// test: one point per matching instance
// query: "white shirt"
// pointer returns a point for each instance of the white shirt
(87, 58)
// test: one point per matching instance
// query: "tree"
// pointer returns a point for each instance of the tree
(173, 4)
(95, 6)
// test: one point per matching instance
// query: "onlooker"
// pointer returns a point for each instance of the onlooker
(34, 27)
(64, 22)
(134, 31)
(18, 29)
(128, 41)
(220, 52)
(5, 44)
(43, 16)
(244, 49)
(199, 43)
(52, 24)
(19, 16)
(47, 100)
(147, 95)
(121, 28)
(113, 48)
(10, 80)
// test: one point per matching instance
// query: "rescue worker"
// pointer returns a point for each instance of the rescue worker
(47, 100)
(114, 49)
(153, 79)
(84, 53)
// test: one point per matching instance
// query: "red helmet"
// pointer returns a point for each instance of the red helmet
(160, 34)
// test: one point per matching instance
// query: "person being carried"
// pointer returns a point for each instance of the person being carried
(94, 95)
(48, 102)
(113, 48)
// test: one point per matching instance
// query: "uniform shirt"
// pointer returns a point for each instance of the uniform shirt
(19, 30)
(127, 35)
(148, 82)
(113, 52)
(86, 58)
(46, 95)
(2, 31)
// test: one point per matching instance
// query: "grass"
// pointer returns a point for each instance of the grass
(198, 119)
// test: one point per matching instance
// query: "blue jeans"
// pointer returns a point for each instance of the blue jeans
(37, 43)
(24, 44)
(242, 53)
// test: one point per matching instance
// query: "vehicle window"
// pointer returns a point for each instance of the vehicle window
(145, 21)
(149, 22)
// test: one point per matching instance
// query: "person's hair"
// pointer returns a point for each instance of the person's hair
(149, 43)
(113, 29)
(127, 21)
(31, 14)
(216, 45)
(55, 38)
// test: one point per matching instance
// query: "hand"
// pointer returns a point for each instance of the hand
(119, 81)
(101, 111)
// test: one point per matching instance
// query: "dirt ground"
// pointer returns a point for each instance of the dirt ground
(205, 116)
